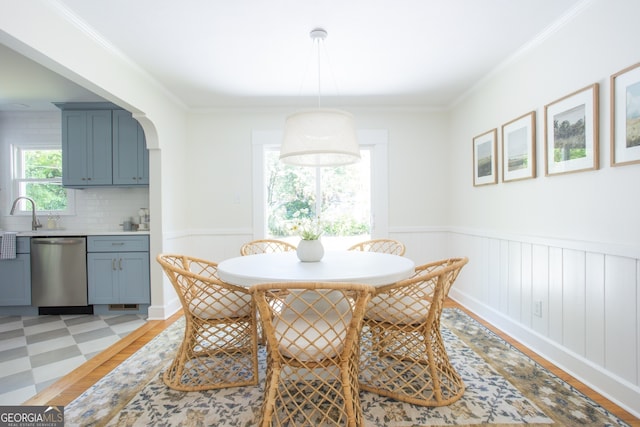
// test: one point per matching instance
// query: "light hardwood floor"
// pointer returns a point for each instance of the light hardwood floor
(65, 390)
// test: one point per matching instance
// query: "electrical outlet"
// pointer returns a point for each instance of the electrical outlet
(537, 308)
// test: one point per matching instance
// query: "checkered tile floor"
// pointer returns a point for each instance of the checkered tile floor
(36, 351)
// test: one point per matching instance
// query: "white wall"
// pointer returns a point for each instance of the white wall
(599, 42)
(570, 242)
(220, 168)
(220, 160)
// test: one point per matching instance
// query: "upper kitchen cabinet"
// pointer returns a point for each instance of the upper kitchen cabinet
(102, 145)
(86, 148)
(130, 154)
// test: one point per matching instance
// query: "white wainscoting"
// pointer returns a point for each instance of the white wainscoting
(587, 298)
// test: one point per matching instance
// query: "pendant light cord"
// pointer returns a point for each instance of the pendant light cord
(318, 41)
(318, 35)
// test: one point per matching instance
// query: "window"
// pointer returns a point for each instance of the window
(37, 174)
(342, 197)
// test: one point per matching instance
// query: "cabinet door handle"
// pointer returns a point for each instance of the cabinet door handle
(117, 243)
(113, 264)
(120, 263)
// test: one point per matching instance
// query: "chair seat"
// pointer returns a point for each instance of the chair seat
(298, 340)
(402, 310)
(212, 308)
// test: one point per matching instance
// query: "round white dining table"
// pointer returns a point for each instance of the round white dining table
(371, 268)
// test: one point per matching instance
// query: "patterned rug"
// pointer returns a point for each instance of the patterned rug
(504, 387)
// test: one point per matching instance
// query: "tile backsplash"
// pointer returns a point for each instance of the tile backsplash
(97, 209)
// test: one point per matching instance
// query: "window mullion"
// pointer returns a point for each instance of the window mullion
(318, 191)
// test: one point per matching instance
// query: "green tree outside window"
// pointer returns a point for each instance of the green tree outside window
(39, 176)
(292, 196)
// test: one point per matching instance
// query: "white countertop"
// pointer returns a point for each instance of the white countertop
(46, 232)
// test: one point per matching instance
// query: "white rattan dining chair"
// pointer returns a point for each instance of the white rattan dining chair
(403, 354)
(219, 348)
(312, 334)
(387, 246)
(265, 246)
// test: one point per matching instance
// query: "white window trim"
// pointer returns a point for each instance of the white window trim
(376, 139)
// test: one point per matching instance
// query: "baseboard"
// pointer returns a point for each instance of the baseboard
(163, 312)
(618, 390)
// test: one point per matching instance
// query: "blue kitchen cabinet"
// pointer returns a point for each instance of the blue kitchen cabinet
(130, 154)
(86, 148)
(118, 270)
(15, 276)
(102, 145)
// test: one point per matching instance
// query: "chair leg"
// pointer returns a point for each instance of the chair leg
(172, 375)
(351, 391)
(270, 387)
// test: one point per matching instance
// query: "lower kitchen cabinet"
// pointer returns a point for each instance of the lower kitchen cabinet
(118, 269)
(15, 276)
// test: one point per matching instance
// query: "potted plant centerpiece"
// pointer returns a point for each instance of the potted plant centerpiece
(310, 248)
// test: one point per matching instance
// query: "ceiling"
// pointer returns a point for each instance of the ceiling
(253, 53)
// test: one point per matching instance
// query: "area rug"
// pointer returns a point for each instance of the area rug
(504, 387)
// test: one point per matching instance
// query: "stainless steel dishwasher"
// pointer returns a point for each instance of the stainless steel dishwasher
(58, 271)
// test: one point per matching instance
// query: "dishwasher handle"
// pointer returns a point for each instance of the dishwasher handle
(56, 241)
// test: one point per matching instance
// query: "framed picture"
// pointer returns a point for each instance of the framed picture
(571, 132)
(519, 148)
(484, 158)
(625, 116)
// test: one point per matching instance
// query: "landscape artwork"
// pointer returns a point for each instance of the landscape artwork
(571, 132)
(569, 135)
(633, 115)
(519, 148)
(484, 158)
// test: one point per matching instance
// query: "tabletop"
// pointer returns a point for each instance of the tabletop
(371, 268)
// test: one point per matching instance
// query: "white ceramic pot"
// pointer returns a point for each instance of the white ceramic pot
(310, 250)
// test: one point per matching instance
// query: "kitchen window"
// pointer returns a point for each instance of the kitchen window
(37, 174)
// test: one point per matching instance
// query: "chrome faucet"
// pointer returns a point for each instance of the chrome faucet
(35, 224)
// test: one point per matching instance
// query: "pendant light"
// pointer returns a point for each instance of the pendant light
(319, 137)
